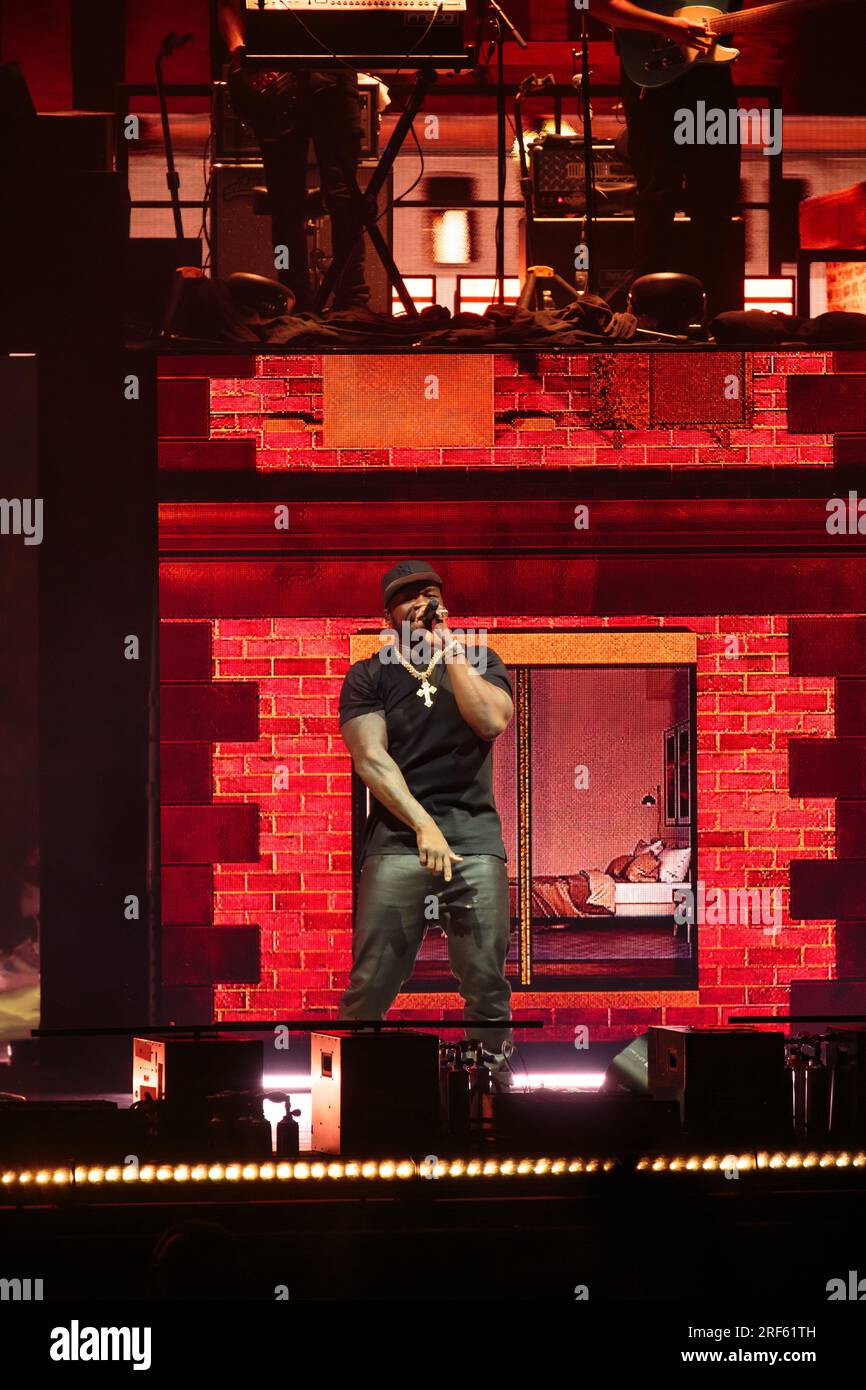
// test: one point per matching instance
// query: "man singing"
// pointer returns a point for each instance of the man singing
(419, 719)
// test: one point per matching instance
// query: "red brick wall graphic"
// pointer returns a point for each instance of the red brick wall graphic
(267, 414)
(837, 404)
(835, 767)
(198, 715)
(257, 836)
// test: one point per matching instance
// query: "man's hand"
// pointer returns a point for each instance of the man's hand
(439, 634)
(434, 851)
(689, 34)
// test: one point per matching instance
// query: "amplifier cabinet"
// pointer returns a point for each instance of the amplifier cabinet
(559, 177)
(727, 1081)
(178, 1069)
(242, 239)
(375, 1095)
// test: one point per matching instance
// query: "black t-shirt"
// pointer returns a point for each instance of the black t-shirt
(447, 767)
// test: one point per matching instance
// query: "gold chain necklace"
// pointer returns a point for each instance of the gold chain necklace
(427, 691)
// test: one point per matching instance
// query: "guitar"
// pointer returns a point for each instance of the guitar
(653, 61)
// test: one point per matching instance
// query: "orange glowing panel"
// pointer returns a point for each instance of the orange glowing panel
(431, 402)
(769, 293)
(422, 292)
(475, 293)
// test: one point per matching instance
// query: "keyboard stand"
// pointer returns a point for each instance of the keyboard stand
(365, 204)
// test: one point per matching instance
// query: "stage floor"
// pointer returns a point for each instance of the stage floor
(648, 1235)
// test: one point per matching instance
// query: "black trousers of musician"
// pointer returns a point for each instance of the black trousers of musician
(396, 900)
(702, 180)
(326, 109)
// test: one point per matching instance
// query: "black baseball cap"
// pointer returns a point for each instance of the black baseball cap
(407, 572)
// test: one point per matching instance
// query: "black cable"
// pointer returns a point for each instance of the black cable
(406, 191)
(416, 46)
(207, 175)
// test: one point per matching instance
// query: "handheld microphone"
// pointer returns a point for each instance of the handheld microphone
(428, 617)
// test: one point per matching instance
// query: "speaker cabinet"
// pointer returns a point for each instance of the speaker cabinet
(730, 1082)
(242, 238)
(373, 1095)
(190, 1069)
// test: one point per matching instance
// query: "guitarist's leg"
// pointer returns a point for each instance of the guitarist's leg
(712, 196)
(337, 138)
(658, 167)
(285, 162)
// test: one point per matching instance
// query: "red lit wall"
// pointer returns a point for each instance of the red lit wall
(256, 876)
(234, 419)
(297, 889)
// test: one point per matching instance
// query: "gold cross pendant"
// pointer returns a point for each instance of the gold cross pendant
(425, 691)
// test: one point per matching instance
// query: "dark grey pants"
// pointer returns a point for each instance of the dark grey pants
(397, 899)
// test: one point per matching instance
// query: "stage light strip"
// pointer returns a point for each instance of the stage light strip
(757, 1161)
(388, 1170)
(314, 1170)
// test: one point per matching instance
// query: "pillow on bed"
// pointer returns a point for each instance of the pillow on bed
(643, 868)
(650, 846)
(617, 867)
(674, 865)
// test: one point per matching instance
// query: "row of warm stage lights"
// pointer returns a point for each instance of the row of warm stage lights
(386, 1169)
(389, 1169)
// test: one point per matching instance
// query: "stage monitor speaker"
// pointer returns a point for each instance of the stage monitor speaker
(730, 1083)
(374, 1095)
(628, 1070)
(554, 240)
(189, 1069)
(242, 239)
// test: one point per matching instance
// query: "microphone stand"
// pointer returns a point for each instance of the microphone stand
(588, 164)
(169, 45)
(501, 22)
